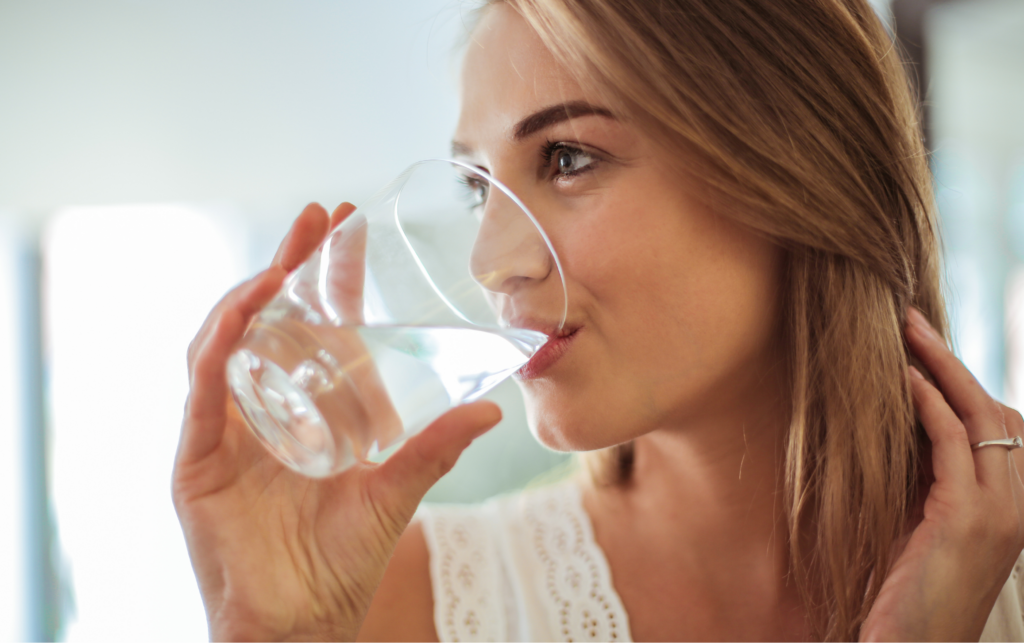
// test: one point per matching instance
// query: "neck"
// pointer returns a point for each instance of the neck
(714, 484)
(716, 481)
(704, 508)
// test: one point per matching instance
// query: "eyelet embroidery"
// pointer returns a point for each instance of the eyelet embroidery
(467, 571)
(473, 596)
(576, 575)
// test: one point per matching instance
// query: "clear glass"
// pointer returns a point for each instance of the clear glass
(426, 297)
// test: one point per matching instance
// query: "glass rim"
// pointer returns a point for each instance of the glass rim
(515, 199)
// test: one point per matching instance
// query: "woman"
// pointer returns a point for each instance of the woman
(742, 210)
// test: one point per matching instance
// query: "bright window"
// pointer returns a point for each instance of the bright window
(125, 289)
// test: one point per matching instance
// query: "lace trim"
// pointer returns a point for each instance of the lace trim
(583, 603)
(466, 575)
(561, 568)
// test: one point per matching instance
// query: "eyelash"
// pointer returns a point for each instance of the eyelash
(548, 154)
(472, 188)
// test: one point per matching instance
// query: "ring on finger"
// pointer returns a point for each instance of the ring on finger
(1009, 443)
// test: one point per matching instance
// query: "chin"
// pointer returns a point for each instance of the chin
(569, 430)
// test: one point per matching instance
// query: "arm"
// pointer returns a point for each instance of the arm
(403, 607)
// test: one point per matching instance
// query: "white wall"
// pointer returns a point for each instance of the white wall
(125, 289)
(264, 104)
(976, 55)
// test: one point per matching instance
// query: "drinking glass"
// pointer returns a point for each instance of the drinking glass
(426, 297)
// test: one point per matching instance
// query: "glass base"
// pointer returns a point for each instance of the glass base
(282, 415)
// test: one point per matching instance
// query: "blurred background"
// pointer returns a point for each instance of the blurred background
(152, 155)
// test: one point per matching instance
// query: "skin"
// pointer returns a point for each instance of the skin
(687, 367)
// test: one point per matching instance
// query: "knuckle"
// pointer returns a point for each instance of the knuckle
(949, 362)
(995, 409)
(952, 433)
(978, 528)
(444, 464)
(1014, 421)
(1016, 534)
(987, 412)
(927, 395)
(1008, 533)
(970, 530)
(434, 465)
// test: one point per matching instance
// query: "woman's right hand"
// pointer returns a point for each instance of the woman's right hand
(278, 555)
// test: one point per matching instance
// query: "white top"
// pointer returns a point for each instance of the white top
(526, 567)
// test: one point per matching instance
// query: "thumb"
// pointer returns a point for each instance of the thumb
(407, 475)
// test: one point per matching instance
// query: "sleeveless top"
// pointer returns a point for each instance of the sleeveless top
(526, 567)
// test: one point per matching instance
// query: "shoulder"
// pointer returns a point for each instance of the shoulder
(467, 570)
(444, 563)
(485, 571)
(405, 590)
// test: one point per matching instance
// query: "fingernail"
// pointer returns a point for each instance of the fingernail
(915, 373)
(496, 416)
(917, 318)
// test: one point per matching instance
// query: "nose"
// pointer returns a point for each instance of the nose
(509, 252)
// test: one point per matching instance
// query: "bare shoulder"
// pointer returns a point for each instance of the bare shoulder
(403, 607)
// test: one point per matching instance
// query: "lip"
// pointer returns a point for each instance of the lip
(549, 353)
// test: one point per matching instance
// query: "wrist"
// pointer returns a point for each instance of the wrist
(251, 626)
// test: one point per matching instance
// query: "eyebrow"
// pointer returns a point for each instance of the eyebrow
(544, 119)
(556, 114)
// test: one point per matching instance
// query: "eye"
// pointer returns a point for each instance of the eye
(475, 190)
(566, 160)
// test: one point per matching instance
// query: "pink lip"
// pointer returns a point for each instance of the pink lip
(548, 354)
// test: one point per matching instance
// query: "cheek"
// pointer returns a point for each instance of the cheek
(662, 279)
(708, 310)
(678, 304)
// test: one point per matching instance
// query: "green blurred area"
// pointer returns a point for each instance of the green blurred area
(505, 458)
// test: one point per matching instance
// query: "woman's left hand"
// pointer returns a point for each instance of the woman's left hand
(945, 582)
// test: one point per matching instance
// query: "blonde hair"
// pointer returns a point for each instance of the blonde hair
(798, 117)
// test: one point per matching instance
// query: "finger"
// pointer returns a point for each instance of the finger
(951, 451)
(405, 477)
(211, 320)
(980, 414)
(1013, 420)
(306, 233)
(205, 415)
(347, 256)
(248, 294)
(1014, 429)
(341, 213)
(369, 414)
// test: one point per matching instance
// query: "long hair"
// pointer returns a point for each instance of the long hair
(798, 117)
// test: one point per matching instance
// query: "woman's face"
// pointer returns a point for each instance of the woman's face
(672, 308)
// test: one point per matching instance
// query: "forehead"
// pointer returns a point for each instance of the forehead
(507, 74)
